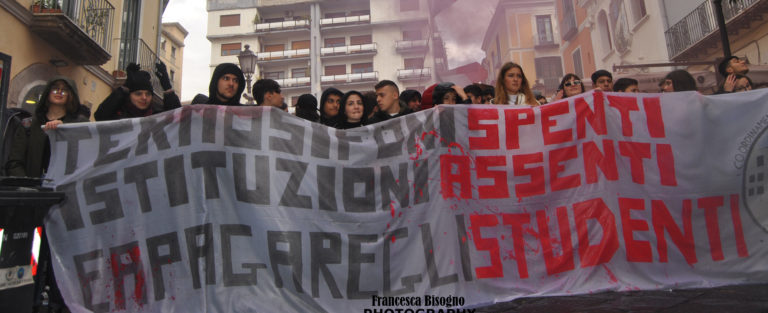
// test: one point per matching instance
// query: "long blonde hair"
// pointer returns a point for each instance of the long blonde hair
(525, 88)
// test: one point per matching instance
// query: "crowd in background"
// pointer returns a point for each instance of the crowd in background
(27, 146)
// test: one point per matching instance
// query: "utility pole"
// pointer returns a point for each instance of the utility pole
(721, 25)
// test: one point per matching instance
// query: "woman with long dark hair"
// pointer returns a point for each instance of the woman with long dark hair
(512, 87)
(30, 152)
(352, 112)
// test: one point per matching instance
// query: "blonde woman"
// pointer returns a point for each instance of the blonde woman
(512, 87)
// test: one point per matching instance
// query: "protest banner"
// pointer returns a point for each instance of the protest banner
(250, 209)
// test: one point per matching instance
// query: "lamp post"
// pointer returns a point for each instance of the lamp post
(248, 65)
(721, 25)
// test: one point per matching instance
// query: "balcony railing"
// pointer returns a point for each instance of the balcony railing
(285, 25)
(282, 55)
(82, 30)
(699, 24)
(414, 73)
(293, 82)
(146, 60)
(345, 50)
(349, 78)
(411, 45)
(338, 21)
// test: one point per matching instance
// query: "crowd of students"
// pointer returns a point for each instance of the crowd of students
(29, 151)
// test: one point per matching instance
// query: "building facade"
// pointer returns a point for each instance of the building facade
(310, 45)
(171, 51)
(626, 39)
(90, 42)
(525, 32)
(692, 34)
(576, 40)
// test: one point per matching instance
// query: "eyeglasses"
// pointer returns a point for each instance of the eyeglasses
(59, 91)
(572, 83)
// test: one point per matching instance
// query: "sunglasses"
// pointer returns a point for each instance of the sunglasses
(59, 91)
(572, 83)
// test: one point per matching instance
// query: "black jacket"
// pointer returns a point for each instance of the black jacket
(30, 148)
(383, 116)
(115, 106)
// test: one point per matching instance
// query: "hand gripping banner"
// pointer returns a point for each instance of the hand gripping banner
(250, 209)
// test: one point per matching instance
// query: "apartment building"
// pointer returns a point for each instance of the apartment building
(89, 41)
(523, 32)
(692, 34)
(171, 51)
(310, 45)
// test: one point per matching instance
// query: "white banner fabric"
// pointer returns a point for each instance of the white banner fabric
(250, 209)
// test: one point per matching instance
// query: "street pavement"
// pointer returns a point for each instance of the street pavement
(736, 299)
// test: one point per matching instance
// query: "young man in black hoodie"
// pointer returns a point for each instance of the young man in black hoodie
(226, 87)
(387, 97)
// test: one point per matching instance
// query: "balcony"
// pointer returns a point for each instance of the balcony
(262, 28)
(282, 55)
(345, 21)
(369, 48)
(403, 46)
(346, 79)
(544, 41)
(698, 30)
(82, 31)
(414, 74)
(291, 83)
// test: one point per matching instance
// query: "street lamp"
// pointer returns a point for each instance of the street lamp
(248, 64)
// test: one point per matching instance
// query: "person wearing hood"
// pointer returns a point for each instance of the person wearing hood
(226, 87)
(330, 102)
(134, 98)
(449, 93)
(412, 99)
(30, 151)
(306, 108)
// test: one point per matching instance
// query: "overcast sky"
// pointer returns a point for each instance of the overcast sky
(462, 27)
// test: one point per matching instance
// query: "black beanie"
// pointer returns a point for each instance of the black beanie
(137, 79)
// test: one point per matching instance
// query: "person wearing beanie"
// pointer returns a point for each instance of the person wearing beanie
(30, 150)
(134, 98)
(226, 87)
(603, 80)
(330, 102)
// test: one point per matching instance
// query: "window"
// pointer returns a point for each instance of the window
(544, 29)
(605, 33)
(302, 44)
(362, 67)
(335, 69)
(274, 75)
(173, 74)
(173, 52)
(413, 63)
(335, 42)
(550, 71)
(638, 9)
(230, 49)
(274, 20)
(568, 24)
(577, 63)
(162, 44)
(360, 40)
(299, 72)
(412, 35)
(409, 5)
(229, 20)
